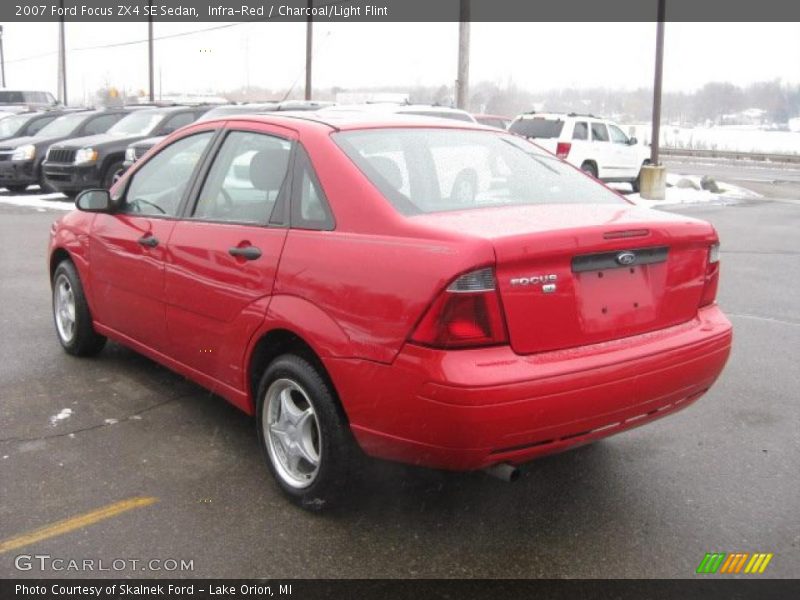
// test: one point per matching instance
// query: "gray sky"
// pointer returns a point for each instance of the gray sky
(533, 55)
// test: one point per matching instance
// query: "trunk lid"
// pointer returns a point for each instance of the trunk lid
(572, 275)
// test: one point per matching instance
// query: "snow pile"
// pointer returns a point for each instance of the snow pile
(688, 189)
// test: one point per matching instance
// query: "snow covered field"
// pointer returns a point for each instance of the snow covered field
(733, 138)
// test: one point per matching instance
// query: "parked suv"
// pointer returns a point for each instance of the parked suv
(24, 124)
(436, 292)
(136, 150)
(96, 161)
(596, 145)
(21, 158)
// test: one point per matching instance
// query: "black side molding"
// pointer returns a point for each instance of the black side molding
(617, 260)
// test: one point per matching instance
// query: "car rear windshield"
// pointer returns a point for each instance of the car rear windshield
(140, 122)
(62, 125)
(434, 170)
(537, 127)
(7, 97)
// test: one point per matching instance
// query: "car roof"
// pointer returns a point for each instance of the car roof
(349, 120)
(559, 115)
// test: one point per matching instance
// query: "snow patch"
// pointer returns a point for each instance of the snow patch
(65, 413)
(39, 201)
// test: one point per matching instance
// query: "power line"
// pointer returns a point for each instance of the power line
(132, 42)
(161, 37)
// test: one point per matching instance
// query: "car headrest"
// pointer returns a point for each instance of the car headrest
(268, 169)
(388, 169)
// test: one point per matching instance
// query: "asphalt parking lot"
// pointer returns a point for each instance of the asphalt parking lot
(721, 475)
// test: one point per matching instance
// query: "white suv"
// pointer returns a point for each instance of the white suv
(597, 146)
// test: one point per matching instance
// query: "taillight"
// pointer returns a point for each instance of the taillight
(712, 276)
(562, 149)
(465, 315)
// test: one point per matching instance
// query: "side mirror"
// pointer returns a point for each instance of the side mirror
(166, 130)
(633, 141)
(97, 201)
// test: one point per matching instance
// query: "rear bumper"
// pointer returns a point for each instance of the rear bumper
(70, 178)
(473, 408)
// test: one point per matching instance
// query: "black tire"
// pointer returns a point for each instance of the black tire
(17, 189)
(112, 173)
(84, 341)
(336, 447)
(636, 184)
(589, 169)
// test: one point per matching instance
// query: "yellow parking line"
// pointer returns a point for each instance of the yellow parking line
(73, 523)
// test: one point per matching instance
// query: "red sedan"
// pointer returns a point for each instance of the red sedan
(432, 292)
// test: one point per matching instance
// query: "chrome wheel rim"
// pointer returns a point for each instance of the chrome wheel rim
(292, 434)
(64, 308)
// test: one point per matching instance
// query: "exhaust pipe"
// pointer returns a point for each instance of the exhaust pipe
(504, 471)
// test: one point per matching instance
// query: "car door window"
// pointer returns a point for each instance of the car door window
(159, 185)
(617, 135)
(246, 179)
(599, 132)
(37, 125)
(581, 131)
(101, 124)
(310, 208)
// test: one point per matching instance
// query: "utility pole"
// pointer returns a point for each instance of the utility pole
(2, 61)
(309, 50)
(654, 138)
(150, 73)
(62, 58)
(462, 83)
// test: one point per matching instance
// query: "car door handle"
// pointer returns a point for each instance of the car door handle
(246, 252)
(148, 240)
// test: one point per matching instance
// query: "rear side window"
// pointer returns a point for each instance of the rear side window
(177, 122)
(310, 208)
(101, 124)
(37, 125)
(599, 132)
(246, 179)
(537, 127)
(581, 131)
(435, 170)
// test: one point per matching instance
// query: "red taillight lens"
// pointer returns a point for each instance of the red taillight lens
(712, 277)
(467, 314)
(562, 149)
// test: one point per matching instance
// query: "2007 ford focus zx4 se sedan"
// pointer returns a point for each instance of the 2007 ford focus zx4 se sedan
(425, 291)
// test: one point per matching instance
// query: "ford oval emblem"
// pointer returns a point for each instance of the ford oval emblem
(626, 258)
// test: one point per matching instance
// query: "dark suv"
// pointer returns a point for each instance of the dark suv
(96, 161)
(21, 158)
(28, 123)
